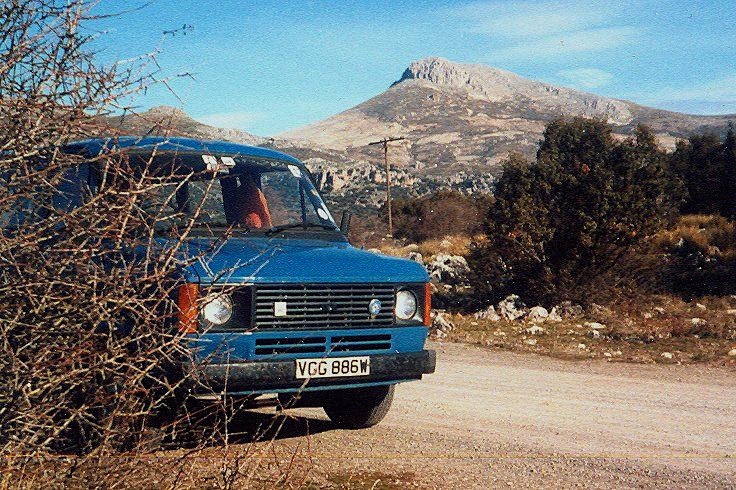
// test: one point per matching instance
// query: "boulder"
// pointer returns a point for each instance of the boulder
(512, 308)
(535, 330)
(416, 257)
(554, 316)
(566, 310)
(487, 314)
(732, 353)
(594, 325)
(537, 314)
(448, 269)
(441, 325)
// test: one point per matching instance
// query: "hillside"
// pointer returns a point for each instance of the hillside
(165, 120)
(469, 117)
(460, 122)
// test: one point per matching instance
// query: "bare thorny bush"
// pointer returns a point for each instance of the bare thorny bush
(89, 347)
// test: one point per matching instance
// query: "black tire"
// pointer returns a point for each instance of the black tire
(358, 408)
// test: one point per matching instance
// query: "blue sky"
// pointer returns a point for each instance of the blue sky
(269, 66)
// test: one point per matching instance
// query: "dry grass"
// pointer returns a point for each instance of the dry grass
(452, 244)
(634, 333)
(711, 234)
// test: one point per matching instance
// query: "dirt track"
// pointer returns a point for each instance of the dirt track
(490, 418)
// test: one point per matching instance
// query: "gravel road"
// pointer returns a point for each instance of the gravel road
(497, 419)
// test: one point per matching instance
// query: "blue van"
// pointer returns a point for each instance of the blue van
(283, 304)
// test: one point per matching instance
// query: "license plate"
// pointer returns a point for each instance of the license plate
(333, 368)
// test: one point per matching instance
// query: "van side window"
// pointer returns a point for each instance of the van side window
(70, 192)
(72, 188)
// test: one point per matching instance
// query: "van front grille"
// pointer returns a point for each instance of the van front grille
(272, 346)
(322, 306)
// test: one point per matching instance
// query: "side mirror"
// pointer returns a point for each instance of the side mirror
(345, 222)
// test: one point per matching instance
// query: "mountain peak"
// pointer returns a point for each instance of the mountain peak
(481, 80)
(166, 110)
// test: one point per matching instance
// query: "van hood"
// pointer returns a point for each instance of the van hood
(293, 260)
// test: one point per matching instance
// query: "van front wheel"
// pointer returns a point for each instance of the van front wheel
(358, 408)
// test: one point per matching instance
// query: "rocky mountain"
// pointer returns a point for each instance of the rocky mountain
(165, 120)
(460, 122)
(469, 117)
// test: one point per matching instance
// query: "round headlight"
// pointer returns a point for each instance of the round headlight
(217, 310)
(406, 305)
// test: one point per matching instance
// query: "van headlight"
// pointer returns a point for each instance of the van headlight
(218, 309)
(406, 305)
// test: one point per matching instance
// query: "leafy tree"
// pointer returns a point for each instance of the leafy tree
(707, 166)
(728, 203)
(573, 213)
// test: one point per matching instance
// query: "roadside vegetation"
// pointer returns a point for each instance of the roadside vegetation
(595, 220)
(90, 352)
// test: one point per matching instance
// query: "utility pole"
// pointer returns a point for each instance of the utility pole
(384, 142)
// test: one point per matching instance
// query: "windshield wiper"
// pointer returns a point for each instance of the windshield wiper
(278, 228)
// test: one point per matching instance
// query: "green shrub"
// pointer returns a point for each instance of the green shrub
(562, 221)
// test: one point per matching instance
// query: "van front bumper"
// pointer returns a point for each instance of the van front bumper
(256, 377)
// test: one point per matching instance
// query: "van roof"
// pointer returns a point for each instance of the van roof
(96, 146)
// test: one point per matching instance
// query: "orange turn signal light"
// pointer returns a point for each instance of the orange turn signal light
(188, 311)
(427, 304)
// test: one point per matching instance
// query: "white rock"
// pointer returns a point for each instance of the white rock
(487, 314)
(537, 314)
(659, 310)
(731, 311)
(440, 323)
(554, 316)
(594, 325)
(535, 330)
(595, 334)
(618, 353)
(450, 269)
(582, 346)
(700, 306)
(512, 308)
(732, 353)
(416, 257)
(607, 354)
(648, 315)
(567, 310)
(499, 333)
(531, 341)
(698, 321)
(667, 355)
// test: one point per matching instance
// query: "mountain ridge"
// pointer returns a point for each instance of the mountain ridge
(460, 122)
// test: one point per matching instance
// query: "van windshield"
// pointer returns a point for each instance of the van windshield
(255, 196)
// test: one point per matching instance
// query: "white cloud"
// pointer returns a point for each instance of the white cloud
(586, 78)
(235, 120)
(537, 30)
(529, 19)
(590, 40)
(721, 90)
